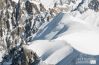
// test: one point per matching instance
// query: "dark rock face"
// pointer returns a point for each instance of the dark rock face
(28, 28)
(31, 58)
(94, 5)
(17, 12)
(82, 2)
(29, 7)
(42, 9)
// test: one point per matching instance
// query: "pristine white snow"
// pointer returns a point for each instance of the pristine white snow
(85, 41)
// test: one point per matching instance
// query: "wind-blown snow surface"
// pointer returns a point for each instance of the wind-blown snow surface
(86, 41)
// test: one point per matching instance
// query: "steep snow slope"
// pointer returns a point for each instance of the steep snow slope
(84, 41)
(63, 23)
(46, 29)
(56, 57)
(44, 48)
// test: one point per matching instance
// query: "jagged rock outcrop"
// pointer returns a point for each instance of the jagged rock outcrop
(94, 5)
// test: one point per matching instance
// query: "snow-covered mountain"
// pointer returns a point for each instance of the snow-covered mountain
(24, 21)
